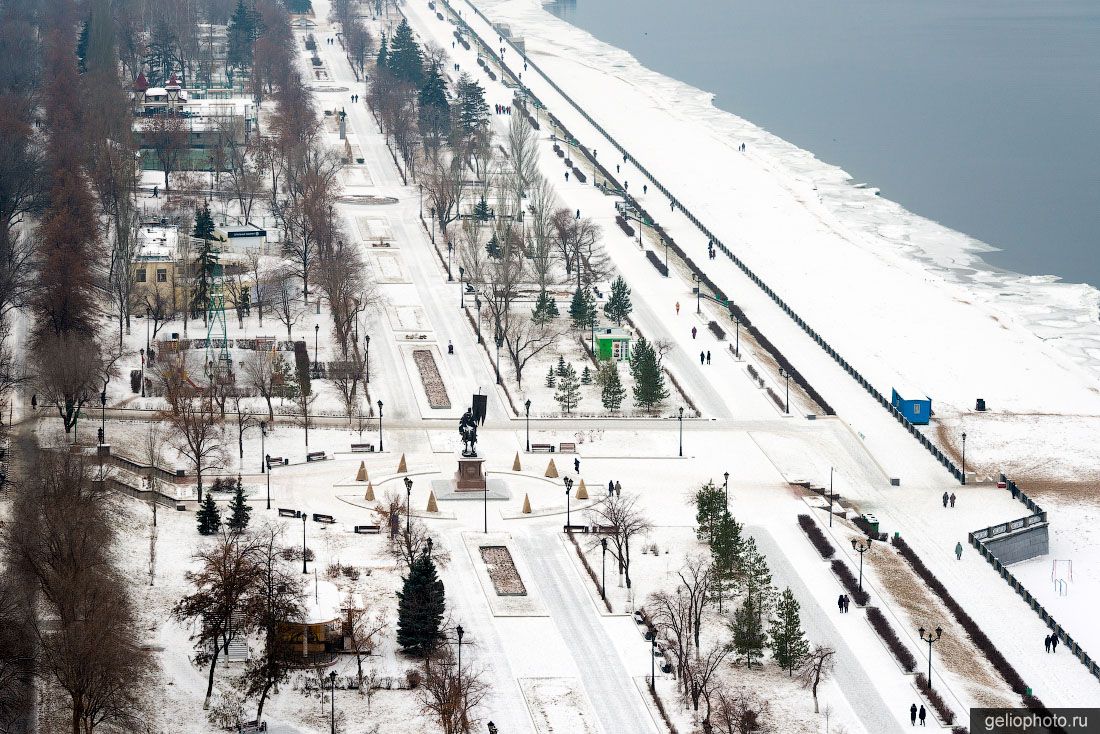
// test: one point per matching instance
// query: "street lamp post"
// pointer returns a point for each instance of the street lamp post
(460, 632)
(379, 426)
(450, 250)
(681, 419)
(665, 239)
(861, 548)
(929, 638)
(830, 496)
(266, 460)
(143, 353)
(304, 570)
(366, 359)
(603, 573)
(433, 225)
(430, 543)
(408, 506)
(737, 337)
(332, 699)
(316, 363)
(726, 488)
(787, 386)
(461, 287)
(103, 417)
(527, 407)
(568, 489)
(653, 664)
(964, 461)
(477, 302)
(421, 201)
(263, 456)
(698, 293)
(499, 340)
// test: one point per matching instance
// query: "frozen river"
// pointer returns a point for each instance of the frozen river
(980, 114)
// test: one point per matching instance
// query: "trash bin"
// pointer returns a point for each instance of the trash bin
(872, 521)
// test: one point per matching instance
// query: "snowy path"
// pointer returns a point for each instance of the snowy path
(610, 690)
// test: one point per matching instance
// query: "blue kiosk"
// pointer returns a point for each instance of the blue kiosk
(916, 410)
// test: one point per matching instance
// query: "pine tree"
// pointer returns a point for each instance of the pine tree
(561, 365)
(239, 510)
(613, 392)
(383, 54)
(586, 376)
(481, 210)
(582, 308)
(618, 305)
(756, 577)
(406, 62)
(551, 378)
(726, 549)
(241, 35)
(472, 111)
(569, 390)
(649, 381)
(209, 516)
(788, 643)
(710, 505)
(420, 606)
(545, 309)
(206, 260)
(434, 113)
(748, 631)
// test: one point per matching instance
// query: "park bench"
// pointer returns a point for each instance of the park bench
(603, 529)
(575, 528)
(284, 512)
(319, 517)
(248, 727)
(362, 448)
(542, 448)
(315, 456)
(276, 461)
(367, 529)
(567, 448)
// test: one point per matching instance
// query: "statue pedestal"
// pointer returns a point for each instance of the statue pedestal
(469, 478)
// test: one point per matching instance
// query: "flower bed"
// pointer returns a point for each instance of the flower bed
(813, 532)
(502, 571)
(429, 376)
(886, 631)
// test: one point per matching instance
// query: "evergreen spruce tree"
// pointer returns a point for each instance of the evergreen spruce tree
(756, 577)
(209, 516)
(551, 378)
(613, 392)
(206, 260)
(569, 390)
(492, 248)
(545, 309)
(586, 376)
(383, 53)
(406, 62)
(618, 305)
(748, 631)
(561, 365)
(241, 35)
(788, 643)
(434, 113)
(420, 606)
(481, 210)
(582, 308)
(472, 111)
(710, 505)
(239, 510)
(726, 549)
(649, 381)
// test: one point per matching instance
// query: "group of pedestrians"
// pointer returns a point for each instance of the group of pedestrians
(614, 488)
(842, 603)
(504, 109)
(704, 357)
(914, 714)
(1050, 642)
(948, 499)
(354, 99)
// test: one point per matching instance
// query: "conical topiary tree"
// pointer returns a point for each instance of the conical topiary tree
(209, 516)
(239, 511)
(420, 606)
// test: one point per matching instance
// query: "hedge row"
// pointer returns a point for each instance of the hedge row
(848, 581)
(652, 256)
(624, 226)
(983, 643)
(933, 697)
(886, 631)
(824, 547)
(588, 568)
(717, 330)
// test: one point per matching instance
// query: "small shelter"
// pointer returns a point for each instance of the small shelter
(318, 633)
(917, 407)
(613, 344)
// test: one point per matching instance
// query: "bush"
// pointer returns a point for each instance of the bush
(848, 581)
(624, 225)
(717, 330)
(579, 175)
(880, 624)
(959, 730)
(412, 677)
(824, 547)
(944, 711)
(652, 256)
(135, 381)
(981, 640)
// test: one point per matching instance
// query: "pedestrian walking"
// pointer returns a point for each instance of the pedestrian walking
(847, 601)
(578, 214)
(626, 186)
(677, 308)
(577, 465)
(913, 715)
(1046, 643)
(525, 66)
(645, 188)
(155, 190)
(567, 175)
(958, 551)
(693, 332)
(1053, 642)
(616, 168)
(922, 714)
(610, 487)
(952, 499)
(945, 499)
(34, 401)
(840, 603)
(618, 488)
(708, 356)
(702, 358)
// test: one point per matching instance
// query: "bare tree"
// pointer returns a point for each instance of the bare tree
(740, 711)
(341, 276)
(696, 580)
(700, 672)
(451, 694)
(70, 369)
(445, 186)
(815, 668)
(195, 420)
(303, 402)
(167, 135)
(245, 177)
(160, 308)
(540, 230)
(578, 243)
(288, 309)
(260, 371)
(671, 615)
(361, 627)
(223, 583)
(524, 154)
(525, 340)
(626, 521)
(261, 283)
